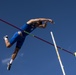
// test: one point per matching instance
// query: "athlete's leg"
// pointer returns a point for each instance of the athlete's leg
(13, 39)
(7, 43)
(18, 47)
(15, 53)
(12, 58)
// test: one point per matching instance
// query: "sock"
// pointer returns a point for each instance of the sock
(5, 38)
(11, 61)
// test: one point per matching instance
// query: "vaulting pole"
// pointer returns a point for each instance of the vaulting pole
(62, 68)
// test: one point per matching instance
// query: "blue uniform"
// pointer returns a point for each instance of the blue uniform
(20, 39)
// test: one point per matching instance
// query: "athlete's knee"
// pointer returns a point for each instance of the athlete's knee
(20, 33)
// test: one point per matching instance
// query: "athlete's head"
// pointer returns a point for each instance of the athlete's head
(39, 22)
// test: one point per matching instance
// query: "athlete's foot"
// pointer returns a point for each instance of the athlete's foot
(9, 66)
(5, 37)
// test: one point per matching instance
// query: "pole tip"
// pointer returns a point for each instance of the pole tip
(75, 54)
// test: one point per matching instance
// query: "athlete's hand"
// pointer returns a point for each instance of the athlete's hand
(51, 21)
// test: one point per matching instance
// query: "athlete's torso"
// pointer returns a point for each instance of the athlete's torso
(28, 28)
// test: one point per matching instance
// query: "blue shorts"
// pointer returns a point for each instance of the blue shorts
(18, 39)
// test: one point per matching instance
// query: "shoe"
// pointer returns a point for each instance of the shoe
(6, 36)
(9, 66)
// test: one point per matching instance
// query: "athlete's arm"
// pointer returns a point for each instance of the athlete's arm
(32, 21)
(46, 20)
(40, 19)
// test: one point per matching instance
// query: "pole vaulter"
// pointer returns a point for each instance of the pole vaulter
(74, 54)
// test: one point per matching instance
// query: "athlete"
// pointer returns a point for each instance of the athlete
(20, 36)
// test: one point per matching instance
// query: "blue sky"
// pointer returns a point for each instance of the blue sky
(35, 56)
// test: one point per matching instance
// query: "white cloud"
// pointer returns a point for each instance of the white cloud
(5, 61)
